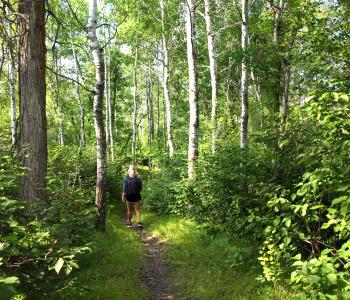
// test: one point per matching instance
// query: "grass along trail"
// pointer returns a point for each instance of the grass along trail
(171, 258)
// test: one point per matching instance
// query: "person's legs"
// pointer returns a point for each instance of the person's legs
(138, 211)
(129, 206)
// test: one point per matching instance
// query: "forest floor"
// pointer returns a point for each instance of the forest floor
(171, 258)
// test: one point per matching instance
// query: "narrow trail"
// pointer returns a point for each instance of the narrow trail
(154, 274)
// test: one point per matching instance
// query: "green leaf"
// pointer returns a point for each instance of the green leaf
(332, 278)
(9, 280)
(339, 199)
(59, 265)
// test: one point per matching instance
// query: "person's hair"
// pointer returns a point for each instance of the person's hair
(132, 171)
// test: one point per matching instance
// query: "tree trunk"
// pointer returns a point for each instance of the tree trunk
(213, 71)
(32, 94)
(81, 107)
(158, 108)
(134, 115)
(12, 83)
(60, 138)
(276, 38)
(258, 97)
(110, 109)
(193, 98)
(149, 118)
(170, 140)
(244, 78)
(98, 116)
(12, 86)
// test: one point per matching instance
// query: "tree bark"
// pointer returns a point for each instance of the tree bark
(110, 109)
(80, 104)
(134, 114)
(12, 86)
(97, 54)
(170, 140)
(193, 97)
(60, 138)
(244, 78)
(32, 94)
(213, 71)
(276, 39)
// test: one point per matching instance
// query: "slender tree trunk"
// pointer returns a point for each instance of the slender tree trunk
(81, 107)
(149, 119)
(32, 92)
(60, 138)
(12, 83)
(165, 83)
(12, 86)
(134, 115)
(98, 116)
(213, 71)
(244, 78)
(107, 104)
(258, 97)
(276, 38)
(158, 108)
(110, 109)
(193, 97)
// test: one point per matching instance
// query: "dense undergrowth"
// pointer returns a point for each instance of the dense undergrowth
(295, 205)
(41, 243)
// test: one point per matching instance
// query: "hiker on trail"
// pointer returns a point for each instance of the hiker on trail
(131, 195)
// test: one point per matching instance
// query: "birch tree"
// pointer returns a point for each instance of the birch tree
(134, 112)
(98, 61)
(213, 70)
(80, 104)
(244, 77)
(169, 124)
(193, 97)
(32, 94)
(276, 39)
(12, 86)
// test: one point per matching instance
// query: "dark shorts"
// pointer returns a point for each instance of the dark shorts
(133, 198)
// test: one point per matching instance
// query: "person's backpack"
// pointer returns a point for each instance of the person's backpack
(132, 186)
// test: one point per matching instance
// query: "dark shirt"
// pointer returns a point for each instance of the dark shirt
(132, 185)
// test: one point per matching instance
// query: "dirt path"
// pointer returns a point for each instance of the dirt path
(155, 272)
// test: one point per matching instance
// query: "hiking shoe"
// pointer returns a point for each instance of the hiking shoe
(129, 225)
(140, 225)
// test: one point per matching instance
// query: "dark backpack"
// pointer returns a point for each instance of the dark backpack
(132, 186)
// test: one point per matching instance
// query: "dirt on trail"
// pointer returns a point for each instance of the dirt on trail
(154, 274)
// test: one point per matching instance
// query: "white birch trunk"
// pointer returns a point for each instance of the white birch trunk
(110, 109)
(213, 71)
(193, 99)
(12, 83)
(244, 78)
(170, 141)
(98, 116)
(134, 115)
(81, 107)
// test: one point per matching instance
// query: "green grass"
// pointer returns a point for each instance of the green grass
(111, 272)
(208, 267)
(203, 266)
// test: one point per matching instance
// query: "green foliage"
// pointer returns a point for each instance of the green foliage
(308, 231)
(40, 245)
